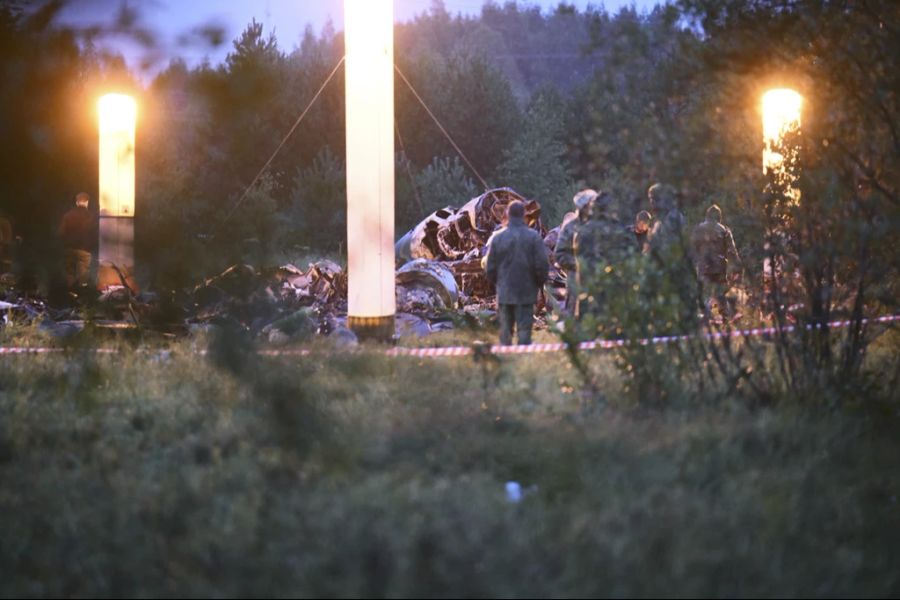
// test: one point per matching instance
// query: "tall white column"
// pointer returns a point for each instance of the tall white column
(118, 114)
(369, 48)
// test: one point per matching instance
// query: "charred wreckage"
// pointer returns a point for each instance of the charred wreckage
(440, 284)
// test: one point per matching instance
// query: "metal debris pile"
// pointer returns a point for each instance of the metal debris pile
(251, 296)
(456, 239)
(440, 283)
(283, 303)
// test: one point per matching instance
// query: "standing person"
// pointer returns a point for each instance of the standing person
(565, 245)
(517, 264)
(602, 242)
(669, 220)
(78, 231)
(715, 254)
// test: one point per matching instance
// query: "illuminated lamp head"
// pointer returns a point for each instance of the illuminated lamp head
(781, 109)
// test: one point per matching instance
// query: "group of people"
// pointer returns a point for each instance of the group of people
(516, 261)
(591, 239)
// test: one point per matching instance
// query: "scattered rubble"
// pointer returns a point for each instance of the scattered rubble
(425, 286)
(440, 284)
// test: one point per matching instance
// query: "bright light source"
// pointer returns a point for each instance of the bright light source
(781, 118)
(369, 48)
(118, 114)
(117, 120)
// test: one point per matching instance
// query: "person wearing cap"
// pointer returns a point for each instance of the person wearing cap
(601, 242)
(565, 248)
(517, 264)
(715, 255)
(78, 232)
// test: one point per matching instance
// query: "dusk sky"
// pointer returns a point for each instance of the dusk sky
(171, 18)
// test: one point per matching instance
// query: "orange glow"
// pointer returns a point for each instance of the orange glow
(781, 117)
(118, 114)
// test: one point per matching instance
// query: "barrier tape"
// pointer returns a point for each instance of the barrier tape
(608, 344)
(455, 351)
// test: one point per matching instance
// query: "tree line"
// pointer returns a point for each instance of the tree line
(544, 101)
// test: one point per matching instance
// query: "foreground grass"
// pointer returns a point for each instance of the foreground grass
(164, 474)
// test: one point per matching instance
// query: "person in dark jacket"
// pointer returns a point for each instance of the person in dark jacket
(78, 232)
(517, 264)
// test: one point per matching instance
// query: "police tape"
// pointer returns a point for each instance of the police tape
(455, 351)
(609, 344)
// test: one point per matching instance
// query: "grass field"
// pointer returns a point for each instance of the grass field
(169, 474)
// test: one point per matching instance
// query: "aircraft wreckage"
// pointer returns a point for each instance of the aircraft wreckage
(439, 284)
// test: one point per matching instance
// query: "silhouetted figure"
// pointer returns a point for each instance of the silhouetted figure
(78, 232)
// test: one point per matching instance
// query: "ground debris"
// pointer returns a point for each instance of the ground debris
(425, 286)
(259, 299)
(440, 284)
(458, 238)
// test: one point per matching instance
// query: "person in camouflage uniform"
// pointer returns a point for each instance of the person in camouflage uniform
(669, 221)
(674, 276)
(517, 264)
(600, 243)
(565, 245)
(714, 253)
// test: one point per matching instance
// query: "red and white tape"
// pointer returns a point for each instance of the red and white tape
(454, 351)
(607, 344)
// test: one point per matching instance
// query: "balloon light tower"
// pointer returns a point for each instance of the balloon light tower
(118, 114)
(781, 127)
(369, 48)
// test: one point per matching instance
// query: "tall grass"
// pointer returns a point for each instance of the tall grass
(169, 474)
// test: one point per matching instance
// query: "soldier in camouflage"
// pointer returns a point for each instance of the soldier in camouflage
(600, 243)
(669, 221)
(673, 272)
(565, 245)
(715, 255)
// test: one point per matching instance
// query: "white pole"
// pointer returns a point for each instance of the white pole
(369, 47)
